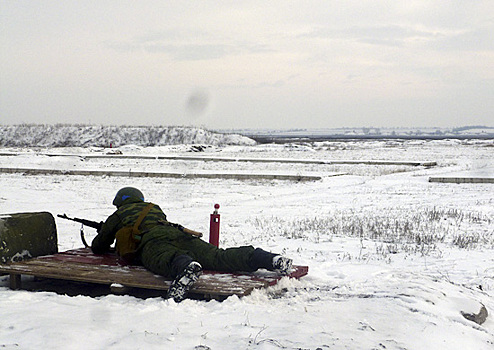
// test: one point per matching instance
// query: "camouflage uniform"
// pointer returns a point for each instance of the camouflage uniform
(166, 250)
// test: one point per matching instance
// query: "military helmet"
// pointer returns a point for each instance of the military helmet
(127, 192)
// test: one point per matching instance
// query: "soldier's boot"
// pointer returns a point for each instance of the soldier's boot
(282, 264)
(270, 261)
(184, 281)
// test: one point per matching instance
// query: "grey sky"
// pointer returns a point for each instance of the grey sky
(224, 64)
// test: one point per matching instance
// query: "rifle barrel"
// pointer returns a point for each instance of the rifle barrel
(93, 224)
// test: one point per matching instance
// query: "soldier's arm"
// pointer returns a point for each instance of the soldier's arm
(106, 235)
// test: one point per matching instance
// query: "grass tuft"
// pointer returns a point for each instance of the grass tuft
(396, 229)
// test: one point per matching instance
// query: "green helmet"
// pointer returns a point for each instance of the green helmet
(127, 192)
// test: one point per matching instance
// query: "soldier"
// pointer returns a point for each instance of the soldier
(165, 249)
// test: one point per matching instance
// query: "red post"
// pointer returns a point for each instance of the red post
(214, 227)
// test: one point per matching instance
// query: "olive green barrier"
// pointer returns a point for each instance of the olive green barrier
(26, 235)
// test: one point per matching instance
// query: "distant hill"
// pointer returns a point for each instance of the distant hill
(363, 133)
(61, 135)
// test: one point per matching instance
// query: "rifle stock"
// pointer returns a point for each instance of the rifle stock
(183, 229)
(192, 232)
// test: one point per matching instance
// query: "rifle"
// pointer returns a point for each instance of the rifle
(89, 223)
(183, 229)
(97, 226)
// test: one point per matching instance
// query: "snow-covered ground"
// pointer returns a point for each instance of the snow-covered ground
(393, 259)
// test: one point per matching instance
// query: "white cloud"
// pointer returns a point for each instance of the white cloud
(299, 62)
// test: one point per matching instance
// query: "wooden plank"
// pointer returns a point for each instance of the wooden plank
(210, 282)
(82, 266)
(15, 281)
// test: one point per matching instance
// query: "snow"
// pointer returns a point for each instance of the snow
(61, 135)
(393, 259)
(372, 132)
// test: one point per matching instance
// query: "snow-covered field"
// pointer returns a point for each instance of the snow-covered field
(393, 259)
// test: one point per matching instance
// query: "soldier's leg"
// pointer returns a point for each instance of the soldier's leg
(163, 257)
(213, 258)
(245, 258)
(229, 259)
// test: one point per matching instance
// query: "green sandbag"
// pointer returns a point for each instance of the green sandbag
(27, 235)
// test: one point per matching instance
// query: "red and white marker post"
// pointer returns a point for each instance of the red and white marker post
(214, 227)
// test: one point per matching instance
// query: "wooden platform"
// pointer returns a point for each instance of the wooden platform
(83, 266)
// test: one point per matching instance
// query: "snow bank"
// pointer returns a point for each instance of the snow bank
(106, 136)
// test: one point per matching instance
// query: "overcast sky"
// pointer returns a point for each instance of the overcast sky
(227, 64)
